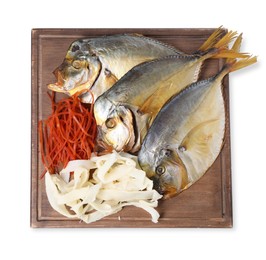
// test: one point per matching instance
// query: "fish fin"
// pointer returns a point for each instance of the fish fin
(197, 72)
(134, 34)
(198, 148)
(153, 104)
(213, 39)
(194, 134)
(110, 79)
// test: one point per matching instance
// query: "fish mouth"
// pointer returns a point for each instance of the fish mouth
(70, 86)
(56, 87)
(82, 88)
(105, 145)
(168, 191)
(59, 85)
(102, 147)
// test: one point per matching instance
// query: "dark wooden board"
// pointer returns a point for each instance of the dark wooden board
(207, 203)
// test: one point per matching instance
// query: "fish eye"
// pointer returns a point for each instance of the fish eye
(76, 64)
(160, 169)
(75, 48)
(110, 123)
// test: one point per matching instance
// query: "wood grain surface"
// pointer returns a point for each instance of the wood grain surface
(207, 203)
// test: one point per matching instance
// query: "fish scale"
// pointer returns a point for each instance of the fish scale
(176, 156)
(87, 61)
(144, 90)
(115, 53)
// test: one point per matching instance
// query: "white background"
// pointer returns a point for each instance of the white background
(248, 107)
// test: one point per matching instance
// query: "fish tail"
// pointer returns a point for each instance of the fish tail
(234, 64)
(229, 54)
(220, 49)
(237, 65)
(233, 53)
(225, 40)
(237, 44)
(212, 40)
(216, 43)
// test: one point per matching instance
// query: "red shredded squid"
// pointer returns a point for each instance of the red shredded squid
(69, 133)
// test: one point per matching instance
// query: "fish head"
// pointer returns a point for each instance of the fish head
(78, 72)
(115, 125)
(166, 169)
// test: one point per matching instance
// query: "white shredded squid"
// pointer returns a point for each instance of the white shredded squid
(116, 182)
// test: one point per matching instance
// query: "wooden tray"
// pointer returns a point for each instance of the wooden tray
(206, 204)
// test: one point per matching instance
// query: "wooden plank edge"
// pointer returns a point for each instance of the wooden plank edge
(192, 223)
(157, 32)
(34, 118)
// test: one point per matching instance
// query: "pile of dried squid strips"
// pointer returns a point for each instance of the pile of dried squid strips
(159, 127)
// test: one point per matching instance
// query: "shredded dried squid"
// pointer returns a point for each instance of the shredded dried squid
(116, 182)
